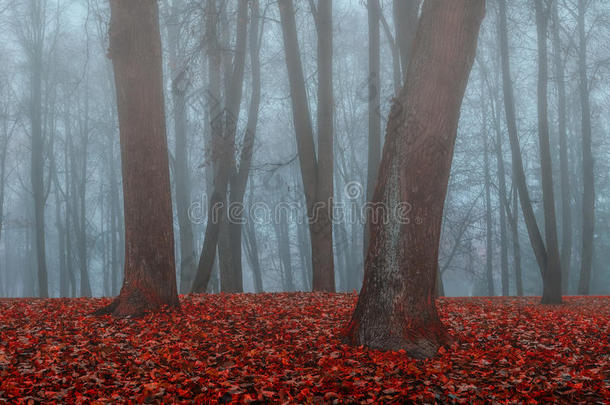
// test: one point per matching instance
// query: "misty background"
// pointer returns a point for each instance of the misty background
(62, 46)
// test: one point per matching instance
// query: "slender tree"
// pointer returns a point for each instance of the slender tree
(150, 279)
(588, 179)
(566, 209)
(316, 169)
(550, 293)
(552, 275)
(374, 105)
(396, 308)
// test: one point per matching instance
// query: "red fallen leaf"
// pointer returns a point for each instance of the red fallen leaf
(286, 348)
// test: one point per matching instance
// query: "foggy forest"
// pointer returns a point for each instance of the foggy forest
(304, 201)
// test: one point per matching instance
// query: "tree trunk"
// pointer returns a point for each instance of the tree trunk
(566, 209)
(551, 293)
(253, 256)
(518, 172)
(374, 105)
(223, 149)
(37, 146)
(396, 308)
(239, 180)
(316, 176)
(405, 21)
(489, 254)
(150, 279)
(516, 244)
(179, 86)
(588, 179)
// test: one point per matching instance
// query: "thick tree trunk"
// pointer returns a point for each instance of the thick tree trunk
(150, 279)
(396, 308)
(551, 293)
(374, 105)
(566, 208)
(316, 176)
(588, 179)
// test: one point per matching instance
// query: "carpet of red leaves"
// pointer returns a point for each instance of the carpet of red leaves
(270, 348)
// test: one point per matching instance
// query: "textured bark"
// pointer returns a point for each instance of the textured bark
(150, 279)
(315, 173)
(566, 208)
(538, 245)
(588, 179)
(551, 293)
(396, 308)
(374, 105)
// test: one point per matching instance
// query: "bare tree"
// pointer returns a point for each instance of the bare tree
(588, 179)
(550, 293)
(316, 170)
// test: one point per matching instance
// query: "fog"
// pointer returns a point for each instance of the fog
(61, 201)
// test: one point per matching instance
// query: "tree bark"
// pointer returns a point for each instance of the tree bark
(551, 293)
(316, 175)
(396, 308)
(150, 279)
(588, 179)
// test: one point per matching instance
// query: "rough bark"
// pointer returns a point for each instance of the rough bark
(396, 308)
(588, 179)
(551, 293)
(316, 173)
(150, 279)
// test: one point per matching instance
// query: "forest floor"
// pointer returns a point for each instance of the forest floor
(269, 348)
